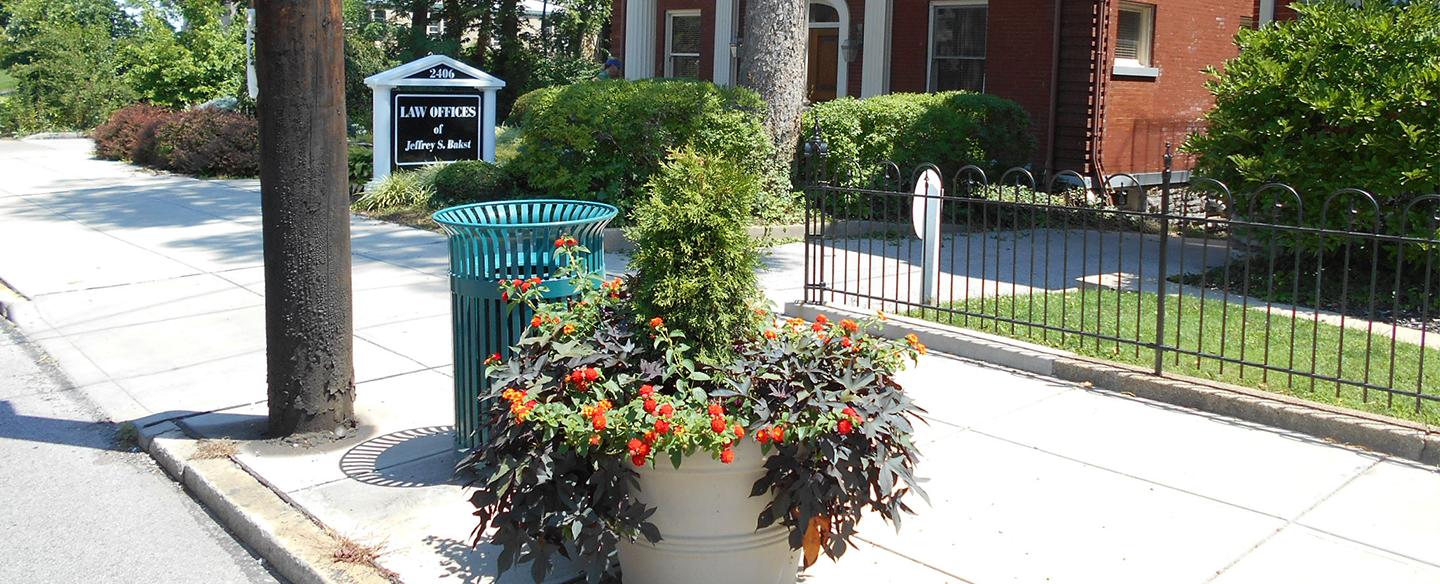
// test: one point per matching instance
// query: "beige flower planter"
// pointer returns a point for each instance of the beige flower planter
(707, 519)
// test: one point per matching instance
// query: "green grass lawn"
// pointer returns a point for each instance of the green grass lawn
(7, 82)
(1249, 334)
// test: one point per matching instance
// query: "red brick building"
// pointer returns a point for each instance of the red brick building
(1106, 82)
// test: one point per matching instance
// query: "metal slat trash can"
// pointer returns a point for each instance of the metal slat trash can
(505, 240)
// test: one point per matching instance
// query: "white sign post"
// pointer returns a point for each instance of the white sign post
(444, 116)
(251, 82)
(925, 216)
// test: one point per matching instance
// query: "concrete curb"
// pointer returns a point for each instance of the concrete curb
(1375, 432)
(294, 544)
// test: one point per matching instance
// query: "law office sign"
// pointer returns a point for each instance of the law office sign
(432, 128)
(432, 110)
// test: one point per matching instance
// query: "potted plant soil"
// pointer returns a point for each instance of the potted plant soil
(670, 428)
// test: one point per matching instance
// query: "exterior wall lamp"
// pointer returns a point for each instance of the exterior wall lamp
(735, 47)
(852, 45)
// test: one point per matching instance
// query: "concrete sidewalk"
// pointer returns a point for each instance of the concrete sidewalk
(147, 290)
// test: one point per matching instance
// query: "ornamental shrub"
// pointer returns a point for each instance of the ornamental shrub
(603, 140)
(361, 164)
(209, 142)
(472, 181)
(129, 134)
(1344, 96)
(694, 257)
(411, 189)
(949, 129)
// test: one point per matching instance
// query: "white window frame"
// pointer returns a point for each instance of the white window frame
(930, 43)
(1143, 64)
(670, 16)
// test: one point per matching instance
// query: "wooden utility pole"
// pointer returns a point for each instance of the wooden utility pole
(309, 332)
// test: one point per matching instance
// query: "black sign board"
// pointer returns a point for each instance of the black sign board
(441, 71)
(436, 127)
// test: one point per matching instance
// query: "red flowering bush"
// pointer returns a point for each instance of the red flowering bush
(593, 390)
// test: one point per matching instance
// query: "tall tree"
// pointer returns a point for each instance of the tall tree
(772, 62)
(309, 332)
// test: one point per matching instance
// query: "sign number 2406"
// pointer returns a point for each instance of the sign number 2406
(442, 73)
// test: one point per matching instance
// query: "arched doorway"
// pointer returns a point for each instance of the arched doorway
(825, 70)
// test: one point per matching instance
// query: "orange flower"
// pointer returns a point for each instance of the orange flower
(769, 334)
(717, 410)
(569, 328)
(595, 440)
(718, 425)
(739, 431)
(762, 436)
(537, 321)
(849, 325)
(727, 456)
(817, 327)
(657, 322)
(822, 319)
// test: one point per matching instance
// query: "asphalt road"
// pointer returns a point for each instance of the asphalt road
(76, 505)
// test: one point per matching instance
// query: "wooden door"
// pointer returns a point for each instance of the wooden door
(824, 66)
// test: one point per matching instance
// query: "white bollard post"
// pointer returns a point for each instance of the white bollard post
(926, 218)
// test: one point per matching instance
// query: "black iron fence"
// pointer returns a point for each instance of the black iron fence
(1334, 298)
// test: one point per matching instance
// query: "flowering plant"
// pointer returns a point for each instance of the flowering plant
(596, 388)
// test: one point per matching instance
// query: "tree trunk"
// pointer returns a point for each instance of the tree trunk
(419, 37)
(773, 64)
(482, 44)
(309, 334)
(455, 22)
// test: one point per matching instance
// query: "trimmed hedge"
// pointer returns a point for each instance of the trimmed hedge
(949, 129)
(604, 140)
(209, 142)
(129, 134)
(472, 181)
(205, 141)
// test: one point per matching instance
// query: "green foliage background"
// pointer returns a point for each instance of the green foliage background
(949, 129)
(603, 140)
(177, 68)
(1344, 96)
(63, 54)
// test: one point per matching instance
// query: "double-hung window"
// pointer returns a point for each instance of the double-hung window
(682, 43)
(957, 45)
(1134, 37)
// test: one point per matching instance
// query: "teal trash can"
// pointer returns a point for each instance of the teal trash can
(505, 240)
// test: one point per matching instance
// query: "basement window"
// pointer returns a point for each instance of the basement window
(1134, 37)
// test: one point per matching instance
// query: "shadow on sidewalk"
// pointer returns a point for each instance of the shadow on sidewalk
(14, 426)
